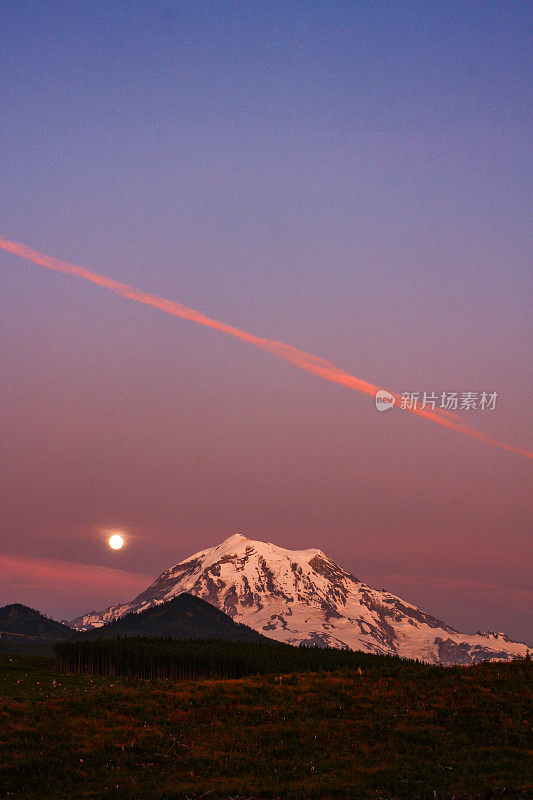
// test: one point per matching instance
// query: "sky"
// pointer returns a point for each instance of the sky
(352, 179)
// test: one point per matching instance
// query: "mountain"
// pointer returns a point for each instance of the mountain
(302, 596)
(19, 620)
(184, 617)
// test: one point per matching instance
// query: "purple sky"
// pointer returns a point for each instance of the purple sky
(352, 180)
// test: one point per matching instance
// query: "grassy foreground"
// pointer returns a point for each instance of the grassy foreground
(432, 732)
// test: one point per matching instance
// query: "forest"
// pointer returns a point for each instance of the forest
(159, 658)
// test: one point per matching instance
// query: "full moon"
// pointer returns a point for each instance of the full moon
(116, 541)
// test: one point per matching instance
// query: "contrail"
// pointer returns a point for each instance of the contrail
(299, 358)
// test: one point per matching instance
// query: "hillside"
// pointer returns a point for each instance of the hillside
(17, 619)
(394, 730)
(184, 617)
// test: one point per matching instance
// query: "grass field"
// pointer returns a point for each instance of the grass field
(432, 732)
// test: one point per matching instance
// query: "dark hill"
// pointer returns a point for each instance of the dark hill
(25, 621)
(184, 617)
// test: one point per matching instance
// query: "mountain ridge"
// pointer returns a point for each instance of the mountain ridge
(184, 617)
(304, 597)
(17, 619)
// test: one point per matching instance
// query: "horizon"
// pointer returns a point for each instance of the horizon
(69, 618)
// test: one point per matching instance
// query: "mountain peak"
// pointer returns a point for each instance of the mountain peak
(304, 597)
(236, 538)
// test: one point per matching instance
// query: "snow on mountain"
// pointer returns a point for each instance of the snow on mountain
(302, 596)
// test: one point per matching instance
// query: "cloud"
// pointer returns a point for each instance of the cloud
(75, 588)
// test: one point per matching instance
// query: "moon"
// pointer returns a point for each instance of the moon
(116, 541)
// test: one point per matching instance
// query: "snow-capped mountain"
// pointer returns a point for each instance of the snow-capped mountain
(299, 596)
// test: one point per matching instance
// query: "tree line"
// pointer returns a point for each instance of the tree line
(191, 659)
